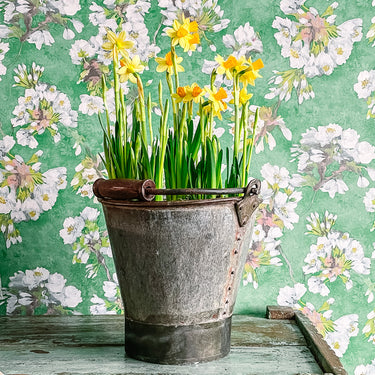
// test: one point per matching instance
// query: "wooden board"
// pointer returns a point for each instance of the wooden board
(94, 345)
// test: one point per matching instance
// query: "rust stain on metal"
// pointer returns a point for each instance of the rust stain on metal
(234, 259)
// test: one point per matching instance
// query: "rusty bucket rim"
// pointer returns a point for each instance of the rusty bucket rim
(170, 204)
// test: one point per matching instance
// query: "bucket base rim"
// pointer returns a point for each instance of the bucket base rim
(177, 345)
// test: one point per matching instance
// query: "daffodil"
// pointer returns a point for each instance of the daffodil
(251, 73)
(183, 33)
(166, 63)
(188, 93)
(180, 95)
(244, 97)
(229, 65)
(117, 44)
(195, 92)
(194, 41)
(129, 67)
(216, 98)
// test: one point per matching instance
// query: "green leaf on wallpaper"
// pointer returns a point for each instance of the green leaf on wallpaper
(53, 132)
(354, 167)
(91, 226)
(332, 31)
(276, 220)
(288, 191)
(344, 278)
(57, 18)
(309, 180)
(15, 32)
(37, 179)
(325, 307)
(33, 159)
(105, 242)
(82, 241)
(328, 12)
(23, 193)
(97, 246)
(329, 325)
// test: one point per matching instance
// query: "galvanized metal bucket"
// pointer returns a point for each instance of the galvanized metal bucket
(179, 265)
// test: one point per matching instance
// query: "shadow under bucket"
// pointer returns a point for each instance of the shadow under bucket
(179, 265)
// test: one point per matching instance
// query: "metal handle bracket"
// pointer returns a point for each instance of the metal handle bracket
(249, 203)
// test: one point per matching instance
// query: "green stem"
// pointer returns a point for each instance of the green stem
(212, 80)
(160, 91)
(244, 119)
(237, 130)
(253, 139)
(149, 113)
(202, 117)
(163, 145)
(174, 62)
(124, 133)
(176, 81)
(116, 84)
(174, 109)
(180, 141)
(142, 108)
(104, 87)
(211, 125)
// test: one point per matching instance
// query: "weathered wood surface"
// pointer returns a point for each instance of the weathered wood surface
(319, 348)
(280, 312)
(324, 355)
(94, 345)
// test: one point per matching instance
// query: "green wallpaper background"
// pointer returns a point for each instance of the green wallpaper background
(314, 242)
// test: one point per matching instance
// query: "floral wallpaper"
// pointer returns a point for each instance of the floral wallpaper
(314, 240)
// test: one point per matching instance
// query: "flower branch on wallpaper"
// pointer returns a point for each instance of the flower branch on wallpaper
(30, 21)
(42, 108)
(327, 153)
(91, 247)
(337, 332)
(38, 291)
(314, 45)
(335, 256)
(25, 192)
(276, 213)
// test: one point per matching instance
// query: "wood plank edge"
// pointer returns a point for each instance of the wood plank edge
(323, 354)
(280, 312)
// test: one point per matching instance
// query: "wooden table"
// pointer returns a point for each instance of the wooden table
(94, 345)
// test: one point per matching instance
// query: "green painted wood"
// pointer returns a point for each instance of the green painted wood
(94, 345)
(87, 330)
(110, 360)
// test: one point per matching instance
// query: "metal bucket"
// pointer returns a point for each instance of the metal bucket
(179, 265)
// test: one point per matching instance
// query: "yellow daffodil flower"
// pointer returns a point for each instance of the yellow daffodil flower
(188, 93)
(117, 44)
(180, 95)
(244, 97)
(229, 65)
(195, 92)
(194, 41)
(166, 64)
(251, 73)
(216, 98)
(183, 33)
(128, 67)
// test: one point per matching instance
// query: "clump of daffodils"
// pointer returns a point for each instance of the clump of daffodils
(182, 155)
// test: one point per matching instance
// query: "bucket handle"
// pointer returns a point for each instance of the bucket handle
(127, 189)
